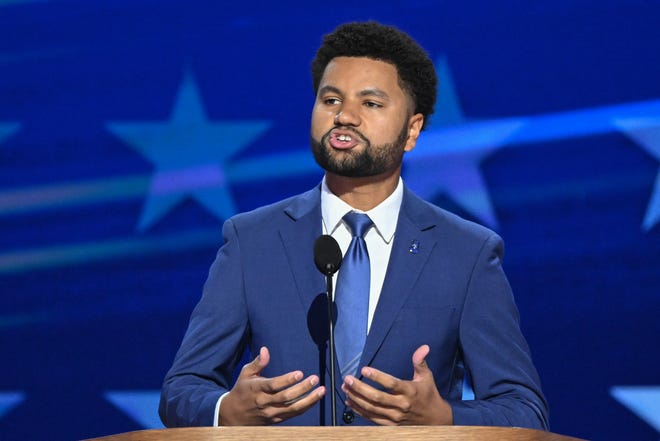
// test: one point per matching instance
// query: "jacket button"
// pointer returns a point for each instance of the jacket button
(348, 417)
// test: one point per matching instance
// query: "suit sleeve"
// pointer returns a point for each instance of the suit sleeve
(213, 343)
(506, 385)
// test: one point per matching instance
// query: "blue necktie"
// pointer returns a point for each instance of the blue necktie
(352, 298)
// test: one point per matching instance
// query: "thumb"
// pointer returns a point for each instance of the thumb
(421, 370)
(257, 365)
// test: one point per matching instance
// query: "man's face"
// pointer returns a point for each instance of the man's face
(361, 121)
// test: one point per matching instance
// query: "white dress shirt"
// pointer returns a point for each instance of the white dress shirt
(379, 238)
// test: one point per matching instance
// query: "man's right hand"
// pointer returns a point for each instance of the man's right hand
(256, 401)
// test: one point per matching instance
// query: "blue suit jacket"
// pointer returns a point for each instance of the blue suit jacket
(264, 290)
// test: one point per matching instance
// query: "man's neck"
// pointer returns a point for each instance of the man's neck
(363, 193)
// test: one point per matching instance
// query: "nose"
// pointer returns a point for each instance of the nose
(347, 117)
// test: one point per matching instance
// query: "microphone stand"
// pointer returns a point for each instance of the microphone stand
(333, 399)
(327, 257)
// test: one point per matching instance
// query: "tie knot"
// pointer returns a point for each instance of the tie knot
(359, 223)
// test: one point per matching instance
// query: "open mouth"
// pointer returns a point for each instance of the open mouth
(343, 139)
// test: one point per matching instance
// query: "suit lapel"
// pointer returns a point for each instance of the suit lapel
(405, 265)
(298, 235)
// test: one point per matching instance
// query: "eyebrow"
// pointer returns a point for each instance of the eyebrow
(375, 92)
(363, 93)
(330, 89)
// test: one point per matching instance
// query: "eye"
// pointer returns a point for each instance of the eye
(330, 101)
(373, 104)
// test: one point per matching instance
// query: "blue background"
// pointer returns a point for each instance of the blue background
(129, 130)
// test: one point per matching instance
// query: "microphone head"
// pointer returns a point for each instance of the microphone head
(327, 255)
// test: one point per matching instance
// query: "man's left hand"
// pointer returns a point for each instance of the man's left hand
(415, 402)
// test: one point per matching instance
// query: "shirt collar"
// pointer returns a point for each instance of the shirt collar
(384, 216)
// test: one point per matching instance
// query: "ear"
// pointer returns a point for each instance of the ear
(415, 124)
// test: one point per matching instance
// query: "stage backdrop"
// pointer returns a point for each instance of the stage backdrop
(130, 130)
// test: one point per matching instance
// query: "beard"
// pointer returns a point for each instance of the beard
(370, 161)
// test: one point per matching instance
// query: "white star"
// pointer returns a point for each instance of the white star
(8, 129)
(646, 133)
(448, 156)
(449, 160)
(140, 405)
(9, 400)
(12, 2)
(643, 401)
(447, 110)
(190, 153)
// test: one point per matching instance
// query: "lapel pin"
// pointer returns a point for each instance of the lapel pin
(414, 247)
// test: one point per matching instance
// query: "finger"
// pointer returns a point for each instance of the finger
(276, 384)
(386, 380)
(420, 368)
(304, 402)
(376, 418)
(293, 391)
(363, 393)
(257, 365)
(381, 416)
(280, 413)
(281, 391)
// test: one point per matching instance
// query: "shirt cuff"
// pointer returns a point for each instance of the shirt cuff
(216, 416)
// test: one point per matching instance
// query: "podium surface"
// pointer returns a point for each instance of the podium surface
(272, 433)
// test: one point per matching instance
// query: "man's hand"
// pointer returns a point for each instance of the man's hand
(415, 402)
(256, 401)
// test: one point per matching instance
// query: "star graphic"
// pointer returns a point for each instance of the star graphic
(449, 154)
(8, 129)
(645, 131)
(643, 401)
(12, 2)
(190, 153)
(140, 405)
(9, 400)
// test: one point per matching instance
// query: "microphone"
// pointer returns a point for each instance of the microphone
(327, 257)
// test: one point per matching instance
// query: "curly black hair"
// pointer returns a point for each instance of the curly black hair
(374, 40)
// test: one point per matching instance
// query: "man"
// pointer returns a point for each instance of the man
(439, 304)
